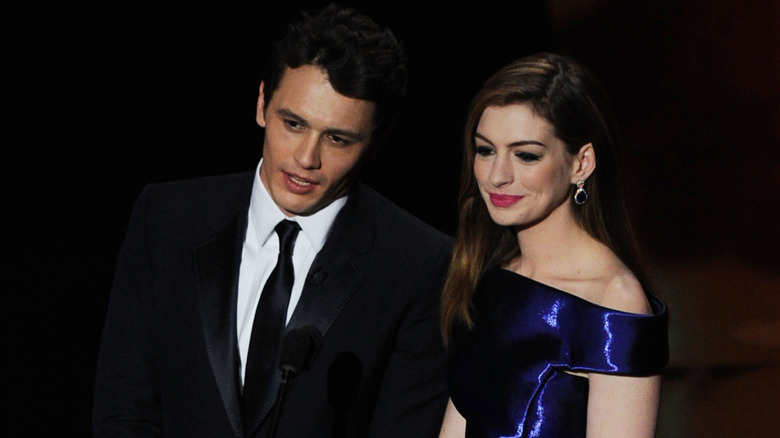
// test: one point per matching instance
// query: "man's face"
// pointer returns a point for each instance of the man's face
(314, 140)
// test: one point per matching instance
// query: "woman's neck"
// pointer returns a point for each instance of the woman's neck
(554, 246)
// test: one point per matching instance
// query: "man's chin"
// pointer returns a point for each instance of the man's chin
(305, 205)
(301, 208)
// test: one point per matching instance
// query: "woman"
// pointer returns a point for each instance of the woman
(551, 321)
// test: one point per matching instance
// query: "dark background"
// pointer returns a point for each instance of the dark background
(103, 98)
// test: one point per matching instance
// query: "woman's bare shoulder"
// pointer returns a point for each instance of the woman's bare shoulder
(622, 291)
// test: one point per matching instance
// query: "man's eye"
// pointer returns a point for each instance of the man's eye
(338, 139)
(293, 125)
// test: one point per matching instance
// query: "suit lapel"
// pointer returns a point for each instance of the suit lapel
(217, 263)
(339, 268)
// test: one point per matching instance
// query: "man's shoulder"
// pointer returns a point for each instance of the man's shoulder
(203, 191)
(214, 185)
(213, 199)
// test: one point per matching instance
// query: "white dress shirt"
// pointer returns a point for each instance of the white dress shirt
(261, 249)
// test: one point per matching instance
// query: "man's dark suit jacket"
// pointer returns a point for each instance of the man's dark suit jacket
(168, 363)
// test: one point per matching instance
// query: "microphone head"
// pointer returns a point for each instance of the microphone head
(300, 347)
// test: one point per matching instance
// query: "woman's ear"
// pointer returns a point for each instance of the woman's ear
(584, 163)
(260, 117)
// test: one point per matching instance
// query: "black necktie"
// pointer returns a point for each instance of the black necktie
(270, 320)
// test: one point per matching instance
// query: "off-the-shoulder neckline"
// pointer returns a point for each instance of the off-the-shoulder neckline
(658, 306)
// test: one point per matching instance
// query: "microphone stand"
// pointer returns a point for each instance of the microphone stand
(300, 347)
(287, 375)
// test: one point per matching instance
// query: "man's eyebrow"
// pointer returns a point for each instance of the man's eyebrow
(515, 143)
(353, 136)
(291, 115)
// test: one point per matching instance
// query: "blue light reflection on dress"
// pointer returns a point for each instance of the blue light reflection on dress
(508, 376)
(608, 345)
(552, 316)
(536, 431)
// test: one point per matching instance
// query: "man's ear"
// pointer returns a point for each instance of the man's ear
(260, 117)
(584, 163)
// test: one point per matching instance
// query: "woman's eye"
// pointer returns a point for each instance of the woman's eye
(484, 150)
(527, 156)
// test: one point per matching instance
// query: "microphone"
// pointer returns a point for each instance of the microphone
(300, 347)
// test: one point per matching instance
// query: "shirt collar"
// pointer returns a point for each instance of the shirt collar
(265, 214)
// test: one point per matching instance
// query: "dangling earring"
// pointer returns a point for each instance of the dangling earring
(580, 196)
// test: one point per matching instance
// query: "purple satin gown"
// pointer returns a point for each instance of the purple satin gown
(507, 376)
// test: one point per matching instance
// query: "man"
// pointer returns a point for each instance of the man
(186, 312)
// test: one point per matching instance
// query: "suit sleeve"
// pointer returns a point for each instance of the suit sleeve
(414, 394)
(126, 401)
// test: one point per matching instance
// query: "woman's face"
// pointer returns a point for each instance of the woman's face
(523, 170)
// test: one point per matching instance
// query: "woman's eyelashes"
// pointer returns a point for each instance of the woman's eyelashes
(484, 150)
(527, 156)
(524, 156)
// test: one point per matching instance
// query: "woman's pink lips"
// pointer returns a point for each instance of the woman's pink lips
(504, 200)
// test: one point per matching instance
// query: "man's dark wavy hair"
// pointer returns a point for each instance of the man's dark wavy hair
(361, 59)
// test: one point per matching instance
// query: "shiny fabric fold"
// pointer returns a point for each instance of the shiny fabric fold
(508, 375)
